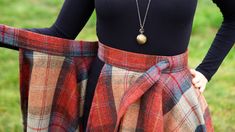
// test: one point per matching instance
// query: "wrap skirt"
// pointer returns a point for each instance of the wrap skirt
(68, 85)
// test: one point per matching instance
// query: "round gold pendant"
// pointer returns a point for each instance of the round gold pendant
(141, 39)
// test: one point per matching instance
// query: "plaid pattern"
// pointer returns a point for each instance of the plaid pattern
(135, 92)
(53, 76)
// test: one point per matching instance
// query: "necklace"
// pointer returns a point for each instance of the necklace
(141, 38)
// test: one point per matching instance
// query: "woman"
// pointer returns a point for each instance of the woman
(131, 96)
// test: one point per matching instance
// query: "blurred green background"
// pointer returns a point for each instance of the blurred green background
(220, 92)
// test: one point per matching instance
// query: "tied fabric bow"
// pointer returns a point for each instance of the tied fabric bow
(142, 84)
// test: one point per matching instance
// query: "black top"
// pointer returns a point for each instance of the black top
(168, 26)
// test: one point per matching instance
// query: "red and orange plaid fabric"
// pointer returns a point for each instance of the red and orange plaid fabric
(53, 76)
(138, 92)
(135, 92)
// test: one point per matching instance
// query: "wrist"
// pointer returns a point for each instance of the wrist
(204, 73)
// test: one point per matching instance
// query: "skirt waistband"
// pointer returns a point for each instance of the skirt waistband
(140, 62)
(15, 37)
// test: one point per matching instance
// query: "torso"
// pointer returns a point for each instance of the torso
(168, 25)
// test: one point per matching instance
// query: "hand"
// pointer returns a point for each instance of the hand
(199, 81)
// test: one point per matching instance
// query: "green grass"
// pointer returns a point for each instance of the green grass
(220, 92)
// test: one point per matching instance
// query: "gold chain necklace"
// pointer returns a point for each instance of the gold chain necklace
(141, 38)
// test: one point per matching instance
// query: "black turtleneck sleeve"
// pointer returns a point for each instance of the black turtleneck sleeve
(71, 19)
(223, 42)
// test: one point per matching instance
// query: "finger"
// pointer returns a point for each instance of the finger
(202, 89)
(196, 79)
(198, 85)
(193, 72)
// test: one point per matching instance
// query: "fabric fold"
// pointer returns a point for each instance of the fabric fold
(142, 84)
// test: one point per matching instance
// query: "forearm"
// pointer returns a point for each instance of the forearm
(220, 47)
(51, 31)
(223, 42)
(71, 19)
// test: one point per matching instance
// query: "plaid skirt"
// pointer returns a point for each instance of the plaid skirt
(134, 92)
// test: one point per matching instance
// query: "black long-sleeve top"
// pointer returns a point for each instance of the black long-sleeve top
(168, 27)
